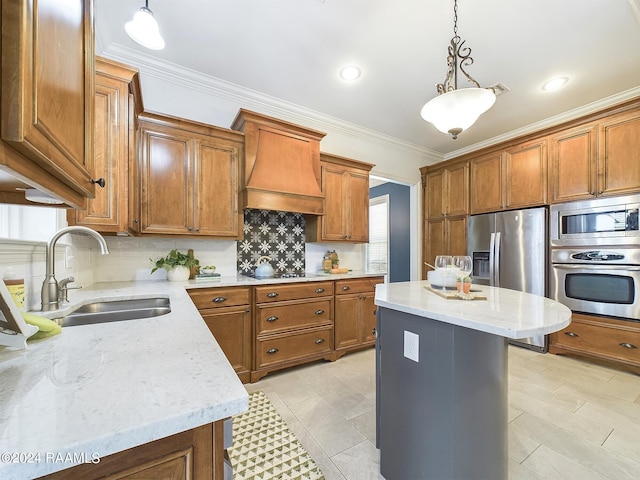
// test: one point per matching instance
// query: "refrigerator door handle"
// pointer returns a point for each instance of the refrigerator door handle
(497, 260)
(492, 245)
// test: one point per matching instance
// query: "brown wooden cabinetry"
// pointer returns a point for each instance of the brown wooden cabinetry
(355, 314)
(46, 107)
(445, 236)
(345, 184)
(227, 313)
(193, 454)
(116, 97)
(188, 178)
(293, 325)
(510, 179)
(596, 159)
(603, 338)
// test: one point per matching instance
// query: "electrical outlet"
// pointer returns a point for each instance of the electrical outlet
(411, 346)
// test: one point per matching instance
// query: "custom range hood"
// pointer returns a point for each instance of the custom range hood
(282, 165)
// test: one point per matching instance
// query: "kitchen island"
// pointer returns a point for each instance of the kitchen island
(441, 390)
(95, 390)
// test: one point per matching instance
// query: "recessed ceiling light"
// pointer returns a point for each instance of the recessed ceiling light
(350, 73)
(555, 84)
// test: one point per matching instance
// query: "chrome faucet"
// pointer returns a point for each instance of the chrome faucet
(50, 288)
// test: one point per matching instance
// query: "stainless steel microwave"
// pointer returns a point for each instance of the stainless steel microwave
(603, 221)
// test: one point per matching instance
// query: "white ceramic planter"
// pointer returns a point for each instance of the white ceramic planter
(178, 274)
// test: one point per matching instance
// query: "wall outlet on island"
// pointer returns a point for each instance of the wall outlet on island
(411, 346)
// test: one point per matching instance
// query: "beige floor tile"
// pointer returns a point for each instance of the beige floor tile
(551, 465)
(366, 424)
(513, 413)
(625, 443)
(595, 394)
(360, 462)
(562, 400)
(520, 446)
(520, 472)
(624, 386)
(345, 399)
(328, 468)
(610, 417)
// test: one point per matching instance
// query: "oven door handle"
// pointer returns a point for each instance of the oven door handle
(582, 266)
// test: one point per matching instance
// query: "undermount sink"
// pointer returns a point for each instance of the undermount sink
(116, 311)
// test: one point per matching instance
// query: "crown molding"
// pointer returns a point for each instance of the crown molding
(574, 114)
(252, 99)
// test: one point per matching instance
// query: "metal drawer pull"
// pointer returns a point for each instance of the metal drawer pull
(219, 299)
(571, 334)
(319, 312)
(272, 294)
(272, 319)
(271, 351)
(319, 290)
(627, 345)
(346, 287)
(319, 341)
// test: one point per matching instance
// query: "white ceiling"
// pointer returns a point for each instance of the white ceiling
(292, 50)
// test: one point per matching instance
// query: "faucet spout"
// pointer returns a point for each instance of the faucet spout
(50, 294)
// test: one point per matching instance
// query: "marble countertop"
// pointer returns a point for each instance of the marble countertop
(98, 389)
(508, 313)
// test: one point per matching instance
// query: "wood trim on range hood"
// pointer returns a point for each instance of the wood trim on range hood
(282, 165)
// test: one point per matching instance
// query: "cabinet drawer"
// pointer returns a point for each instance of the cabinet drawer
(618, 341)
(357, 285)
(204, 298)
(294, 314)
(293, 291)
(289, 347)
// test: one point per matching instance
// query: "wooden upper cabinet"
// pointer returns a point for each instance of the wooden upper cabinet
(487, 183)
(596, 159)
(115, 86)
(188, 178)
(573, 164)
(618, 147)
(345, 185)
(447, 191)
(511, 178)
(48, 86)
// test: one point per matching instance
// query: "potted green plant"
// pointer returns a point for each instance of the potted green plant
(177, 264)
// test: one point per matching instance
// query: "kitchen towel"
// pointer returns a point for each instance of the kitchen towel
(46, 327)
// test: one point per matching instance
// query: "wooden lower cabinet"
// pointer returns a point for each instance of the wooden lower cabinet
(293, 324)
(227, 313)
(355, 314)
(445, 236)
(602, 338)
(195, 454)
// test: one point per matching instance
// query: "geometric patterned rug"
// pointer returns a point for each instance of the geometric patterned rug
(265, 449)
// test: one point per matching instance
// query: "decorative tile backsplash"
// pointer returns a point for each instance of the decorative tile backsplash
(279, 235)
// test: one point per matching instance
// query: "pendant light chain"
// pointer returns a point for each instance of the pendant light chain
(455, 18)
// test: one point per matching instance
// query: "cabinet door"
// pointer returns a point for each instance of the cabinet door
(456, 230)
(346, 322)
(435, 194)
(231, 326)
(368, 313)
(357, 206)
(333, 221)
(573, 164)
(526, 175)
(166, 204)
(618, 163)
(487, 183)
(47, 86)
(457, 190)
(435, 236)
(216, 182)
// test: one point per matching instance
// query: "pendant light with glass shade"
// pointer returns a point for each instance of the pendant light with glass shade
(144, 29)
(454, 110)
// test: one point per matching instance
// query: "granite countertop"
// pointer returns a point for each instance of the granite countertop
(94, 390)
(508, 313)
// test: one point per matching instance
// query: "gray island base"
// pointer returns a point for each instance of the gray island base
(441, 406)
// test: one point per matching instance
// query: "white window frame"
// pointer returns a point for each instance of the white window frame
(382, 199)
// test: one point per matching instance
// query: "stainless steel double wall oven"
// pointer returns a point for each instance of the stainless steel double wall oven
(595, 256)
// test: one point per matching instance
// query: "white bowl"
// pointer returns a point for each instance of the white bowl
(436, 279)
(208, 271)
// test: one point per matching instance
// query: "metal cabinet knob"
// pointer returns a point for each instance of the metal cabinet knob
(346, 287)
(271, 351)
(219, 299)
(319, 341)
(319, 290)
(99, 182)
(272, 294)
(272, 319)
(319, 312)
(571, 334)
(627, 345)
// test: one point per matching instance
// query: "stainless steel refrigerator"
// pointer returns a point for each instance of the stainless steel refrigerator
(509, 250)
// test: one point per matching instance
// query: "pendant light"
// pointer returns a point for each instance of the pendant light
(144, 29)
(454, 110)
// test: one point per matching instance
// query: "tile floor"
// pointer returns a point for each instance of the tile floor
(568, 419)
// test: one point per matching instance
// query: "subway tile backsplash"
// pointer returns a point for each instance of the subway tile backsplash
(278, 235)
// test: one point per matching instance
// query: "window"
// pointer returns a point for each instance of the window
(35, 224)
(377, 251)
